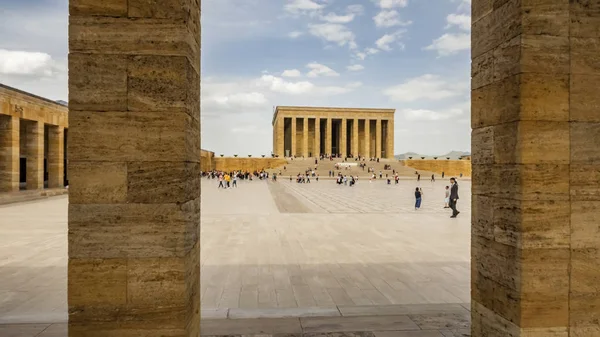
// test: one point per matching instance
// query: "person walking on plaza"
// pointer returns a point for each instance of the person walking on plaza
(418, 196)
(453, 197)
(447, 197)
(221, 181)
(433, 178)
(234, 179)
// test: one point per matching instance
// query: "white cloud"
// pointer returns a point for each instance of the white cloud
(356, 9)
(462, 21)
(335, 33)
(389, 19)
(431, 115)
(291, 73)
(355, 67)
(334, 18)
(278, 84)
(450, 43)
(317, 70)
(13, 62)
(384, 43)
(295, 34)
(426, 87)
(387, 4)
(241, 99)
(302, 6)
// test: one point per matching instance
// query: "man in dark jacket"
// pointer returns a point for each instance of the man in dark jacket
(453, 197)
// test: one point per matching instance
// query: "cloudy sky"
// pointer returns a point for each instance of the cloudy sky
(411, 55)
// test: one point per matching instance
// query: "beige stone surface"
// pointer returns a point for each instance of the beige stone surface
(34, 134)
(534, 137)
(134, 96)
(9, 152)
(449, 167)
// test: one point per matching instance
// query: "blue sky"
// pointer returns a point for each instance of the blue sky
(410, 55)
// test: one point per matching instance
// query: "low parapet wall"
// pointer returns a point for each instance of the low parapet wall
(247, 164)
(449, 167)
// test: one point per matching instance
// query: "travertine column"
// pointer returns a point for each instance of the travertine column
(344, 138)
(56, 156)
(294, 138)
(390, 139)
(134, 165)
(378, 138)
(328, 137)
(536, 168)
(355, 137)
(280, 136)
(305, 138)
(317, 142)
(34, 135)
(9, 153)
(367, 150)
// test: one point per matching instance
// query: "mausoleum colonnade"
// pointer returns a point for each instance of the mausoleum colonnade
(32, 141)
(346, 132)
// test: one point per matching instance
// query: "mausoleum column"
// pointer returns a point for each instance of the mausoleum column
(328, 137)
(317, 142)
(305, 138)
(355, 137)
(56, 156)
(280, 136)
(34, 135)
(9, 153)
(134, 168)
(294, 138)
(535, 243)
(367, 149)
(344, 138)
(390, 139)
(378, 138)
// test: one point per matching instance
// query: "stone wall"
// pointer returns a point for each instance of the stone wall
(449, 167)
(250, 164)
(207, 160)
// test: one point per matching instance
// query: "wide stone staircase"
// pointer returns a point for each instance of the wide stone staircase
(300, 165)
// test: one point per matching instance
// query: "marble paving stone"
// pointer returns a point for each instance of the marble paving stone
(22, 330)
(249, 247)
(456, 333)
(402, 309)
(250, 326)
(365, 323)
(339, 334)
(237, 313)
(214, 313)
(430, 333)
(442, 321)
(55, 330)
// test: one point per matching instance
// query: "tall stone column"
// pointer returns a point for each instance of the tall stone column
(317, 142)
(294, 148)
(344, 138)
(355, 137)
(390, 139)
(280, 136)
(367, 150)
(378, 138)
(328, 137)
(56, 156)
(134, 168)
(34, 135)
(536, 169)
(305, 138)
(9, 153)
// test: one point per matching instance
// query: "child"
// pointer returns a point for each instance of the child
(447, 197)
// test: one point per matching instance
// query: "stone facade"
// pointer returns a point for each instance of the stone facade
(247, 164)
(314, 131)
(31, 128)
(449, 167)
(536, 168)
(134, 146)
(207, 160)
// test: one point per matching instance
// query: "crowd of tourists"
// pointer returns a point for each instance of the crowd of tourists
(231, 178)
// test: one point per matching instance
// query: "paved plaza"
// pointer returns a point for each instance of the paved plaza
(271, 250)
